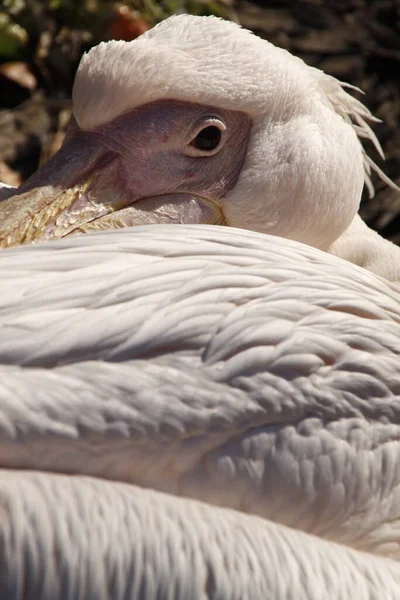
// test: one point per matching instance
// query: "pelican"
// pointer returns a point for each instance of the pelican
(195, 411)
(200, 121)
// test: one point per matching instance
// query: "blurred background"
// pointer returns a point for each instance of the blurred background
(41, 42)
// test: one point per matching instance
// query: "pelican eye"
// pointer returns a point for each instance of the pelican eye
(207, 139)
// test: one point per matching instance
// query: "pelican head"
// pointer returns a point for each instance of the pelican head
(199, 121)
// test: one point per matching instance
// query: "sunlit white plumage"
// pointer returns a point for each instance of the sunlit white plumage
(243, 370)
(196, 363)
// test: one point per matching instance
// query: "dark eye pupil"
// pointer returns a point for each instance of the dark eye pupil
(208, 138)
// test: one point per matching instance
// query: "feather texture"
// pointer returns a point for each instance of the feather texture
(244, 370)
(81, 538)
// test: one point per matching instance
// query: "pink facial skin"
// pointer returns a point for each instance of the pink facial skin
(167, 161)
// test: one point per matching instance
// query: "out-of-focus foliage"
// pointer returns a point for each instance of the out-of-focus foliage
(13, 37)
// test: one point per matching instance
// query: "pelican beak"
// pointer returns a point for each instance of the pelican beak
(84, 188)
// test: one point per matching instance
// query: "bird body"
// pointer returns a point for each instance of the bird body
(240, 392)
(244, 370)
